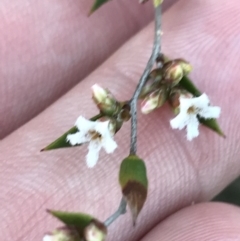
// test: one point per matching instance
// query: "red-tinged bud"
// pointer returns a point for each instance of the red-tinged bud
(105, 101)
(153, 83)
(62, 234)
(95, 231)
(173, 73)
(154, 100)
(174, 99)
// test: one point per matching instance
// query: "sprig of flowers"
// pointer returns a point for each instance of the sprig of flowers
(168, 82)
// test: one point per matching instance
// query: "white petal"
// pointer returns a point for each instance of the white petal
(192, 128)
(109, 144)
(48, 238)
(201, 102)
(84, 125)
(185, 104)
(93, 154)
(102, 127)
(76, 138)
(180, 121)
(210, 112)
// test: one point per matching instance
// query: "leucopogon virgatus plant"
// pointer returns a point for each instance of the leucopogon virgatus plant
(164, 81)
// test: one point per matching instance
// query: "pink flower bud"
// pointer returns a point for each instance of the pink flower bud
(154, 100)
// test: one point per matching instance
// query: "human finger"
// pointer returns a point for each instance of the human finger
(180, 172)
(206, 222)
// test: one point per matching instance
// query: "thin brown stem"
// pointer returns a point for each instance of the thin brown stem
(155, 53)
(121, 210)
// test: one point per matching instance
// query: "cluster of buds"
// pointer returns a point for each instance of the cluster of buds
(162, 82)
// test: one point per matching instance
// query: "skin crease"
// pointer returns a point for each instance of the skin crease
(204, 32)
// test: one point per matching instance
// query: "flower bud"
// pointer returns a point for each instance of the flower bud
(95, 231)
(62, 234)
(186, 66)
(173, 73)
(104, 100)
(154, 81)
(114, 125)
(154, 100)
(125, 113)
(174, 98)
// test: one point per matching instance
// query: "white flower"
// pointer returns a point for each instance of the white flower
(190, 108)
(97, 134)
(48, 238)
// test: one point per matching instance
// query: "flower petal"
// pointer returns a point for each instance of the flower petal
(109, 144)
(102, 127)
(210, 112)
(93, 153)
(192, 128)
(185, 104)
(48, 238)
(180, 121)
(84, 125)
(76, 138)
(201, 102)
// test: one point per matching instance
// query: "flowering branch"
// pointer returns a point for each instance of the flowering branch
(155, 53)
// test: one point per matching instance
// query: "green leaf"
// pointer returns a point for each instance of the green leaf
(97, 4)
(78, 220)
(188, 85)
(61, 141)
(212, 124)
(84, 224)
(134, 183)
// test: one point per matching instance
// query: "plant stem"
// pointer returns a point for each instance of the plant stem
(121, 210)
(155, 52)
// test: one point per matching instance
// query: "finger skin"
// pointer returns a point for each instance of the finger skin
(180, 172)
(49, 46)
(205, 222)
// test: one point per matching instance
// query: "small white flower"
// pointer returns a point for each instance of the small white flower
(97, 134)
(190, 108)
(47, 238)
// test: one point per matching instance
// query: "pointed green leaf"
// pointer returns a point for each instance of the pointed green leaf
(212, 124)
(61, 141)
(97, 4)
(134, 183)
(81, 220)
(188, 85)
(83, 223)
